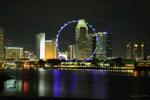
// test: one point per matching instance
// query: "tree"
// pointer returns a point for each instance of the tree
(41, 63)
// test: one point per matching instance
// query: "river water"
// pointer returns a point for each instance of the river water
(77, 83)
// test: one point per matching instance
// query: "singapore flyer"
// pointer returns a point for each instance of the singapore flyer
(70, 22)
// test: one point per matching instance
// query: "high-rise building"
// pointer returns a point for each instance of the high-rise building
(91, 47)
(26, 54)
(129, 51)
(143, 51)
(29, 55)
(1, 43)
(109, 45)
(71, 52)
(135, 51)
(104, 45)
(81, 40)
(101, 45)
(40, 46)
(13, 53)
(50, 49)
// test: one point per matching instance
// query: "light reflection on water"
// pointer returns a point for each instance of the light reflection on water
(72, 83)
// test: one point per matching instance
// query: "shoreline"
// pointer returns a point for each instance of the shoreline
(3, 77)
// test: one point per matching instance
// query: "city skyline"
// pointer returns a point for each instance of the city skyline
(74, 49)
(128, 20)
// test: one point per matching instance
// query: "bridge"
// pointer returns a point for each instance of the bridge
(18, 63)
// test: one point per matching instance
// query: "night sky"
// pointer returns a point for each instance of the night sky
(127, 20)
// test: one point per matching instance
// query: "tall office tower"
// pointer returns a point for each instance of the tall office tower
(135, 51)
(81, 37)
(109, 45)
(101, 45)
(71, 52)
(1, 43)
(143, 51)
(40, 46)
(13, 53)
(90, 44)
(50, 49)
(129, 51)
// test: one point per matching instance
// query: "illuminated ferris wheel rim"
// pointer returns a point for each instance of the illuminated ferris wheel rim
(70, 22)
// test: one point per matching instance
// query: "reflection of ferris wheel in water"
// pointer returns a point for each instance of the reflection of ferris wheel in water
(66, 24)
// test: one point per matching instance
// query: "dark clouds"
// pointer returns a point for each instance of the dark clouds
(128, 20)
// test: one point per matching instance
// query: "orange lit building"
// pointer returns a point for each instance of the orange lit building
(50, 49)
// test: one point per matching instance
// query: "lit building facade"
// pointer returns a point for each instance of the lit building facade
(81, 40)
(101, 45)
(135, 51)
(50, 49)
(29, 55)
(90, 44)
(13, 53)
(104, 45)
(26, 54)
(142, 51)
(1, 43)
(40, 46)
(71, 52)
(129, 51)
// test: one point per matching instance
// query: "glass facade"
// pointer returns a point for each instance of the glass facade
(40, 46)
(81, 40)
(71, 52)
(101, 45)
(129, 50)
(91, 48)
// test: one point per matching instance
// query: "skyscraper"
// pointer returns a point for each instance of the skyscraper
(71, 52)
(104, 45)
(1, 43)
(135, 51)
(13, 53)
(101, 45)
(81, 40)
(129, 51)
(50, 49)
(90, 43)
(26, 54)
(40, 46)
(143, 51)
